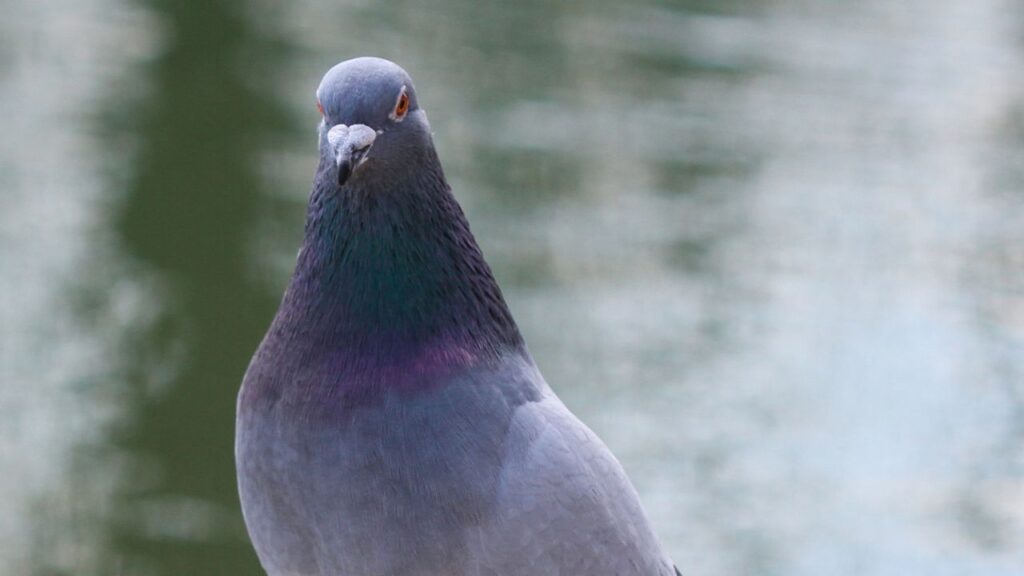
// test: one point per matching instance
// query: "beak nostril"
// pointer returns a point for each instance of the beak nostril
(349, 146)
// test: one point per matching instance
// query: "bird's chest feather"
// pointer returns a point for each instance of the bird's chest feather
(372, 485)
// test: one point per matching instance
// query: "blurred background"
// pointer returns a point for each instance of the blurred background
(772, 252)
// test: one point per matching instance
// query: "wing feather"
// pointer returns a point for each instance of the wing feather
(565, 505)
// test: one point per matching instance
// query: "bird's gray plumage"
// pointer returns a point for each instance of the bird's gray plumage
(408, 431)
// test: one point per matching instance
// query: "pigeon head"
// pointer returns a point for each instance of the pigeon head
(389, 274)
(372, 124)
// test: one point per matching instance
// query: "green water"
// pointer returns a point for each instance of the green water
(769, 251)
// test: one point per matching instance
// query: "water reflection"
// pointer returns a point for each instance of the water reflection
(187, 221)
(768, 251)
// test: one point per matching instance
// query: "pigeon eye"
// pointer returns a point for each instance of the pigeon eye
(402, 106)
(320, 107)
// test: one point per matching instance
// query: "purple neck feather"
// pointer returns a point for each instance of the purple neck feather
(390, 285)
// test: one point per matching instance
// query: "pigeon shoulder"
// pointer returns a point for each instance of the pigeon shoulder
(565, 505)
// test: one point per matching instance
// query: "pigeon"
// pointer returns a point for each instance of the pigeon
(392, 421)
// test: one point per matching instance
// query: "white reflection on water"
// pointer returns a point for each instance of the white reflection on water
(56, 58)
(843, 410)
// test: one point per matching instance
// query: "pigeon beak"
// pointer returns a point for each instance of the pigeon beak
(349, 145)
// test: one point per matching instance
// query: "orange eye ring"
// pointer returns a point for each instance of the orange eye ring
(320, 107)
(402, 106)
